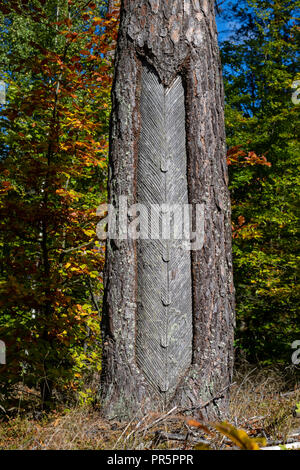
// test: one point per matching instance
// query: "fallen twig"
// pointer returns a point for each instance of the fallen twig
(286, 394)
(204, 405)
(162, 418)
(168, 436)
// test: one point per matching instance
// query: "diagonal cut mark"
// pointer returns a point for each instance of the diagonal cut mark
(164, 314)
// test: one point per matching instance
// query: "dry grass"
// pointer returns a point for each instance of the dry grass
(262, 402)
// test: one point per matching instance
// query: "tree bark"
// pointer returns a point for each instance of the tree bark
(172, 39)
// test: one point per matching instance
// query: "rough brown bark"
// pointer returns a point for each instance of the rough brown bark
(174, 37)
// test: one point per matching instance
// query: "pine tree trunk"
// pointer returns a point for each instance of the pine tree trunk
(169, 47)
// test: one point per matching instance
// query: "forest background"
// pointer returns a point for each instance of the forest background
(56, 71)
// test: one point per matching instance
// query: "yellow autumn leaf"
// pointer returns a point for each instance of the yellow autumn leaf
(238, 436)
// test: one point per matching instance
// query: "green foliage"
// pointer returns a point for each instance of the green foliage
(58, 67)
(260, 66)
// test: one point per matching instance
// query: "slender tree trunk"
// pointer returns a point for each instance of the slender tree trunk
(168, 52)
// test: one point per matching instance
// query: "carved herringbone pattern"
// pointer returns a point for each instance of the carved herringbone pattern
(164, 317)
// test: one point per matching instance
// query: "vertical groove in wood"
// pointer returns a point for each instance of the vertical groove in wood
(164, 308)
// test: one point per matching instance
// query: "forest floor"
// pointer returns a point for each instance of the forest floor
(262, 404)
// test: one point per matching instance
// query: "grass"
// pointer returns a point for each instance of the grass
(262, 402)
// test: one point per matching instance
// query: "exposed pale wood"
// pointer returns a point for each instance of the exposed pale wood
(164, 303)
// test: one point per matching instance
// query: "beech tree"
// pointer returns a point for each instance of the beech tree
(53, 149)
(168, 312)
